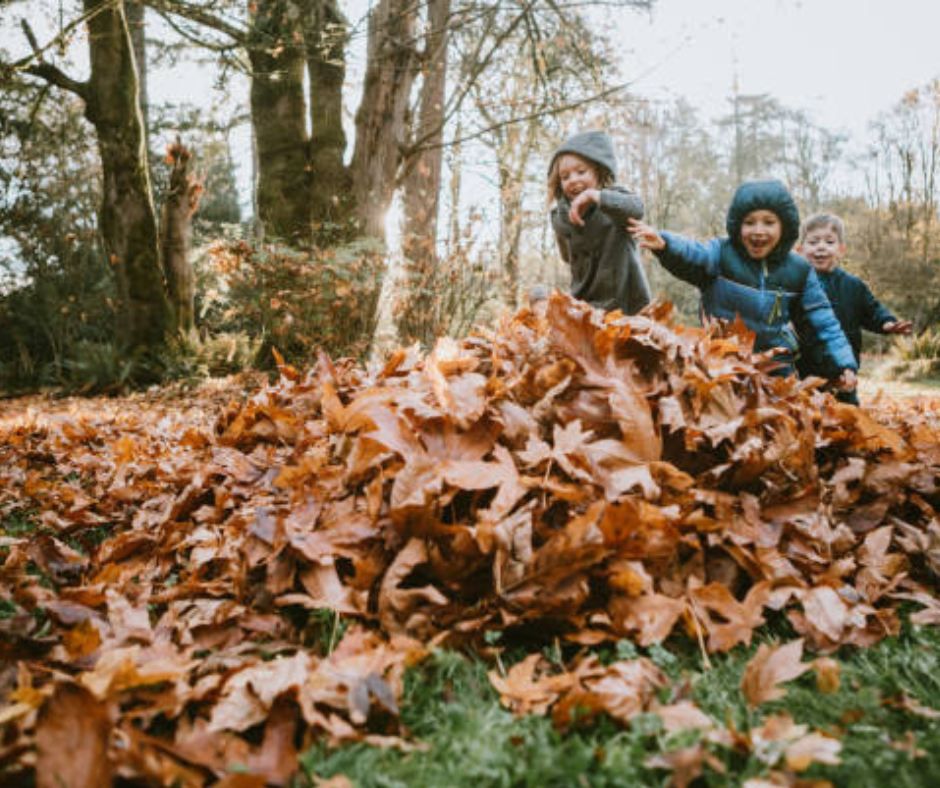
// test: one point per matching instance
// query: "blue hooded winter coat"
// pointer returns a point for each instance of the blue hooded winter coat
(771, 295)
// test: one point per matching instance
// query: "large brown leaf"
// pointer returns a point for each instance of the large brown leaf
(72, 739)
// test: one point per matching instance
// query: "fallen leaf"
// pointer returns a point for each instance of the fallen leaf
(769, 667)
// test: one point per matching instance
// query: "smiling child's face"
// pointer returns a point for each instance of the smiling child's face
(575, 175)
(760, 233)
(823, 248)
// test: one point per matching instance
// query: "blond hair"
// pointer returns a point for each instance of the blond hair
(820, 220)
(605, 177)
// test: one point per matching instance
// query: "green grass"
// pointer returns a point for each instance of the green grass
(17, 523)
(450, 707)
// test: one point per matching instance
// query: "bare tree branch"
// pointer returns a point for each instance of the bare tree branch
(38, 52)
(201, 16)
(50, 73)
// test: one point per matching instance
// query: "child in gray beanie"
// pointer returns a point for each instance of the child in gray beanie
(590, 218)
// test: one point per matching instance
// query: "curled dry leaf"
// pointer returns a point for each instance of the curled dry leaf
(770, 667)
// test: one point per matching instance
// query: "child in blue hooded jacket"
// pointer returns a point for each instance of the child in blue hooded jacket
(753, 273)
(589, 219)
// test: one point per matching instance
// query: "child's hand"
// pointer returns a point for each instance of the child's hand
(848, 380)
(580, 204)
(898, 327)
(645, 236)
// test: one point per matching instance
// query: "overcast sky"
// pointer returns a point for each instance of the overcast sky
(843, 60)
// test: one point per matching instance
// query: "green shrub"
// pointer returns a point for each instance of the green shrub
(97, 368)
(197, 357)
(52, 316)
(296, 301)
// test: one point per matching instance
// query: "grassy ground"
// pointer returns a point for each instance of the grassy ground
(472, 741)
(870, 389)
(874, 381)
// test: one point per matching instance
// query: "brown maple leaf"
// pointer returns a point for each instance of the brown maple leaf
(770, 667)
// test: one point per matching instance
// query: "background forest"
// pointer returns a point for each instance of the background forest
(397, 156)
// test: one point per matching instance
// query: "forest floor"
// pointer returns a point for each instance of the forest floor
(193, 636)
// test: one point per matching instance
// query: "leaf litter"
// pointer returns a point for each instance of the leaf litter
(564, 475)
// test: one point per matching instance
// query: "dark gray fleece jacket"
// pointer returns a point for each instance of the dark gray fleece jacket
(605, 268)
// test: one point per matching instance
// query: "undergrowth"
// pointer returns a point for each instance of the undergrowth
(467, 739)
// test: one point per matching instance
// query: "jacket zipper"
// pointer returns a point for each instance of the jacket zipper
(775, 309)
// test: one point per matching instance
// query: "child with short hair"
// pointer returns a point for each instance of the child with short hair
(589, 219)
(822, 242)
(753, 273)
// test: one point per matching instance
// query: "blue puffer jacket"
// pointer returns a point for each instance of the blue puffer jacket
(770, 295)
(855, 307)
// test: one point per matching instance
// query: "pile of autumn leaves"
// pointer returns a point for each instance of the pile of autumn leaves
(565, 476)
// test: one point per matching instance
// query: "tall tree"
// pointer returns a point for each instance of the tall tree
(325, 37)
(383, 114)
(127, 221)
(422, 180)
(278, 117)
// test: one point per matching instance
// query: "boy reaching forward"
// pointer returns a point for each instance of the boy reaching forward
(822, 242)
(753, 273)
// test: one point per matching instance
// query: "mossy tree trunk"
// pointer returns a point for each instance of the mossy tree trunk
(127, 221)
(516, 147)
(331, 205)
(136, 26)
(278, 116)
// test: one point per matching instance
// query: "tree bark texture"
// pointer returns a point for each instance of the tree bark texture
(330, 198)
(382, 119)
(278, 116)
(176, 235)
(128, 221)
(422, 181)
(134, 12)
(515, 150)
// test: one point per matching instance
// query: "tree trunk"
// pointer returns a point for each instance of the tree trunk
(422, 182)
(175, 237)
(516, 149)
(278, 116)
(382, 119)
(127, 223)
(330, 198)
(136, 27)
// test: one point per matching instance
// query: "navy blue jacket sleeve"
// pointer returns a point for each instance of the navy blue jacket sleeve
(691, 261)
(873, 313)
(825, 325)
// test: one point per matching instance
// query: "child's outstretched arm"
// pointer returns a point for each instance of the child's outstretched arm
(878, 318)
(691, 261)
(646, 237)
